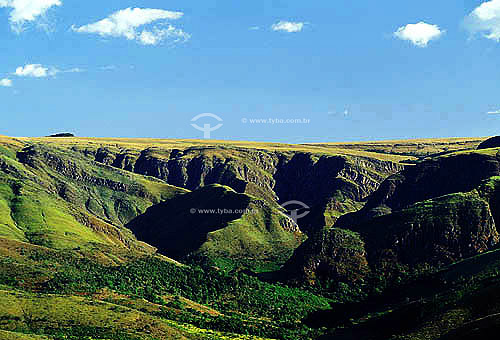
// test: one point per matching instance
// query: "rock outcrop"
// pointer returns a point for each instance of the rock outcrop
(330, 185)
(431, 212)
(58, 198)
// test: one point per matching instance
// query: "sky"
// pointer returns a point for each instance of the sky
(281, 71)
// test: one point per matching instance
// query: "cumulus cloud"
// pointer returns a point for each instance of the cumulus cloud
(40, 71)
(5, 82)
(419, 34)
(34, 71)
(126, 23)
(24, 11)
(485, 19)
(288, 26)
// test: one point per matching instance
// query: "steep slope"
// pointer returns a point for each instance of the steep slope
(439, 211)
(218, 223)
(336, 256)
(460, 301)
(65, 251)
(62, 200)
(330, 183)
(332, 179)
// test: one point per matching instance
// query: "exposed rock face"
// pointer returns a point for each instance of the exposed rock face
(112, 196)
(337, 255)
(330, 185)
(439, 231)
(37, 157)
(430, 212)
(429, 179)
(493, 142)
(192, 173)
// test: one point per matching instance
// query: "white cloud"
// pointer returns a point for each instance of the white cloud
(288, 26)
(419, 34)
(24, 11)
(5, 82)
(40, 71)
(35, 71)
(126, 23)
(486, 19)
(157, 35)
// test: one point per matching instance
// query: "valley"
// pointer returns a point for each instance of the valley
(109, 238)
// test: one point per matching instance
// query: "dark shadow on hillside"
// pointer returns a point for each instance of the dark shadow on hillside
(181, 225)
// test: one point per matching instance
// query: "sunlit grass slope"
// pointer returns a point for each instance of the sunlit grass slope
(60, 199)
(395, 150)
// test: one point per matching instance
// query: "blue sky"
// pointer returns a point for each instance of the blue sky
(341, 65)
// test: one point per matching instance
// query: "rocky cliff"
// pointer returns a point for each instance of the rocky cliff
(60, 199)
(493, 142)
(330, 185)
(435, 213)
(438, 211)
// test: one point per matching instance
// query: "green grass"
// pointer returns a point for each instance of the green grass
(225, 224)
(88, 277)
(141, 143)
(248, 306)
(63, 200)
(6, 335)
(76, 317)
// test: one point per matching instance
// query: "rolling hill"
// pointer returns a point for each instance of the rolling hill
(124, 239)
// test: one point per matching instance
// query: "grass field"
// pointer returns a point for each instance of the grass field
(69, 269)
(397, 150)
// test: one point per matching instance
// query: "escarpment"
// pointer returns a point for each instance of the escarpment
(38, 157)
(58, 198)
(439, 211)
(429, 179)
(329, 185)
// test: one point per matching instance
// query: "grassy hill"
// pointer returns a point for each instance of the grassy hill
(63, 201)
(71, 266)
(218, 224)
(263, 170)
(69, 294)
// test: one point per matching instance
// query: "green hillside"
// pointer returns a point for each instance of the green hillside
(220, 225)
(123, 239)
(62, 200)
